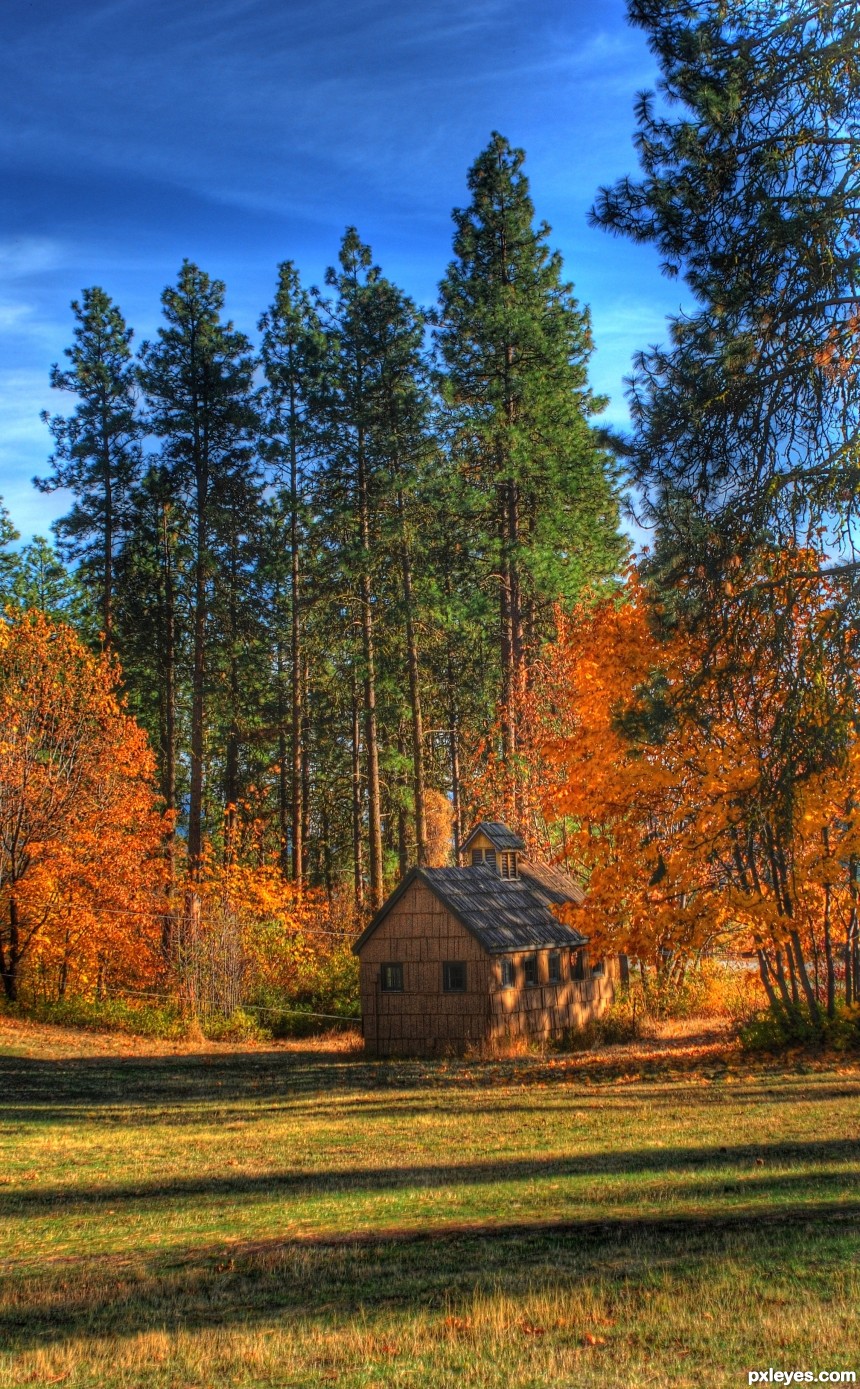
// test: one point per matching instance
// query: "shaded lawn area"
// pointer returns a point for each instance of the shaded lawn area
(299, 1217)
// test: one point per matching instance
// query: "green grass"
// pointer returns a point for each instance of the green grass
(288, 1217)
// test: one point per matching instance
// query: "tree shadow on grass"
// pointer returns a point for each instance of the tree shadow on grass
(56, 1090)
(330, 1280)
(747, 1161)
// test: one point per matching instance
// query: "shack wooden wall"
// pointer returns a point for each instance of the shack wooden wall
(545, 1009)
(421, 934)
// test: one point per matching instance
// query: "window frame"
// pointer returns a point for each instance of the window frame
(447, 987)
(509, 868)
(508, 974)
(391, 988)
(578, 965)
(555, 967)
(530, 963)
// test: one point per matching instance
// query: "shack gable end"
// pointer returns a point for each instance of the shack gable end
(422, 927)
(480, 841)
(421, 935)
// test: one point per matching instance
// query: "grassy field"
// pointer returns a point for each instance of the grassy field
(665, 1214)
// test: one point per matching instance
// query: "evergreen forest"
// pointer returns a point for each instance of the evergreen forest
(324, 555)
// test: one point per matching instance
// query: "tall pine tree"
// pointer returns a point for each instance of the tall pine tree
(290, 353)
(371, 414)
(537, 490)
(97, 448)
(198, 383)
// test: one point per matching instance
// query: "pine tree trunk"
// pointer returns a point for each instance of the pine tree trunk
(455, 784)
(231, 794)
(168, 930)
(453, 706)
(402, 828)
(371, 746)
(371, 739)
(517, 650)
(295, 658)
(108, 536)
(198, 677)
(506, 636)
(284, 777)
(231, 762)
(326, 854)
(305, 785)
(357, 864)
(418, 779)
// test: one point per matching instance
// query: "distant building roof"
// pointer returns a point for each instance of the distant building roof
(502, 914)
(498, 834)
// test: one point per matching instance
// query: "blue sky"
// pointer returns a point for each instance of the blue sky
(241, 133)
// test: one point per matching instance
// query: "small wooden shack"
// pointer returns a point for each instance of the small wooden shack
(471, 955)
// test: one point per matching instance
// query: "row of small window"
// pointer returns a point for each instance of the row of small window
(453, 978)
(531, 977)
(454, 973)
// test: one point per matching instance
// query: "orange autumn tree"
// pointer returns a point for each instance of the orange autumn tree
(80, 832)
(254, 936)
(707, 781)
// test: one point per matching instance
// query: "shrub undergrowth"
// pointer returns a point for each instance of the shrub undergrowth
(775, 1031)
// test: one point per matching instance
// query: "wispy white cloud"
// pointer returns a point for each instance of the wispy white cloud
(24, 256)
(14, 316)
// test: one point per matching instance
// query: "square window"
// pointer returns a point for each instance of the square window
(530, 971)
(454, 977)
(507, 974)
(555, 967)
(391, 979)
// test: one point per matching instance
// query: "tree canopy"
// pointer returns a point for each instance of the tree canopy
(746, 424)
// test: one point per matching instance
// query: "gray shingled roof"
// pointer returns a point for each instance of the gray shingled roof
(502, 914)
(498, 834)
(551, 884)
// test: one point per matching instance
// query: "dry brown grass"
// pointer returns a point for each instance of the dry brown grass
(661, 1215)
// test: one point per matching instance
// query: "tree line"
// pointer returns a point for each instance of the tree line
(324, 561)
